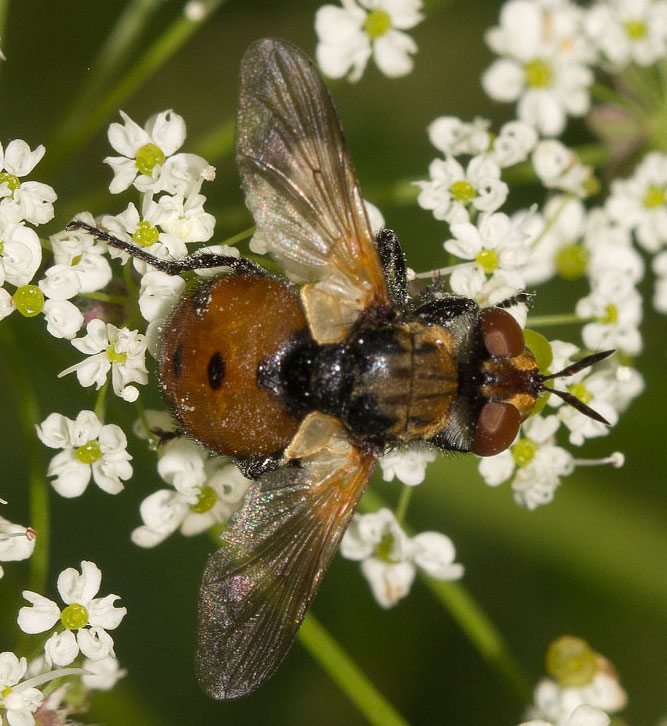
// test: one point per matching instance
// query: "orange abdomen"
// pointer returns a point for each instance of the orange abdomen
(211, 348)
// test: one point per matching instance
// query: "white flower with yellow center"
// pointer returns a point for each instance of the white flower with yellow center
(453, 189)
(85, 618)
(627, 31)
(18, 699)
(119, 350)
(640, 202)
(543, 64)
(89, 448)
(28, 200)
(16, 542)
(350, 34)
(148, 159)
(389, 558)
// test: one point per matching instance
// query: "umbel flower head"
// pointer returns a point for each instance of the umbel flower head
(85, 618)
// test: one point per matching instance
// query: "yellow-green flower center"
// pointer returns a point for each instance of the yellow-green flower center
(145, 234)
(76, 260)
(611, 316)
(635, 29)
(149, 156)
(114, 356)
(11, 181)
(581, 392)
(29, 300)
(654, 197)
(5, 691)
(571, 662)
(538, 73)
(207, 498)
(2, 246)
(571, 261)
(463, 191)
(377, 23)
(74, 616)
(89, 452)
(384, 548)
(539, 347)
(523, 451)
(487, 260)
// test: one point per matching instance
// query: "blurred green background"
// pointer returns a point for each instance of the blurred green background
(593, 563)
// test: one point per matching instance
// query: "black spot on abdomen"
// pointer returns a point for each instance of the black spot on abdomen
(216, 371)
(177, 360)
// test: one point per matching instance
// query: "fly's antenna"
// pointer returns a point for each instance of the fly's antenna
(570, 370)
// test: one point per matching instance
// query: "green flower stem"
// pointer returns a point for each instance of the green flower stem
(471, 618)
(607, 95)
(351, 680)
(164, 47)
(403, 503)
(4, 6)
(101, 400)
(543, 321)
(29, 417)
(231, 241)
(552, 219)
(118, 45)
(104, 297)
(481, 632)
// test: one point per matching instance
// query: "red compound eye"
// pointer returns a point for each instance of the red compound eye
(501, 333)
(497, 427)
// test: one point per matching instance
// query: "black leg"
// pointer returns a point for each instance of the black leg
(521, 298)
(195, 261)
(393, 264)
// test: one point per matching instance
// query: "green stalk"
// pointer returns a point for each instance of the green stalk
(471, 619)
(164, 47)
(119, 42)
(38, 489)
(351, 680)
(541, 321)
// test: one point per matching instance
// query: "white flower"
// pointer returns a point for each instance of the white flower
(219, 493)
(20, 253)
(660, 293)
(16, 542)
(158, 294)
(148, 158)
(560, 168)
(610, 249)
(102, 674)
(110, 348)
(407, 465)
(581, 427)
(452, 189)
(495, 244)
(560, 703)
(89, 616)
(640, 202)
(617, 308)
(535, 460)
(185, 218)
(63, 318)
(349, 35)
(452, 136)
(84, 254)
(390, 558)
(627, 31)
(18, 700)
(28, 200)
(543, 64)
(583, 715)
(514, 142)
(142, 230)
(89, 448)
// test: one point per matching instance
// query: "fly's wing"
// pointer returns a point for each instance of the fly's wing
(257, 588)
(302, 190)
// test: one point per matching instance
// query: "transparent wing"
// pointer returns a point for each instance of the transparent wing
(301, 187)
(257, 588)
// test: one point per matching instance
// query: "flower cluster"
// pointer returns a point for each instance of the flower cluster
(390, 559)
(584, 688)
(205, 491)
(78, 654)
